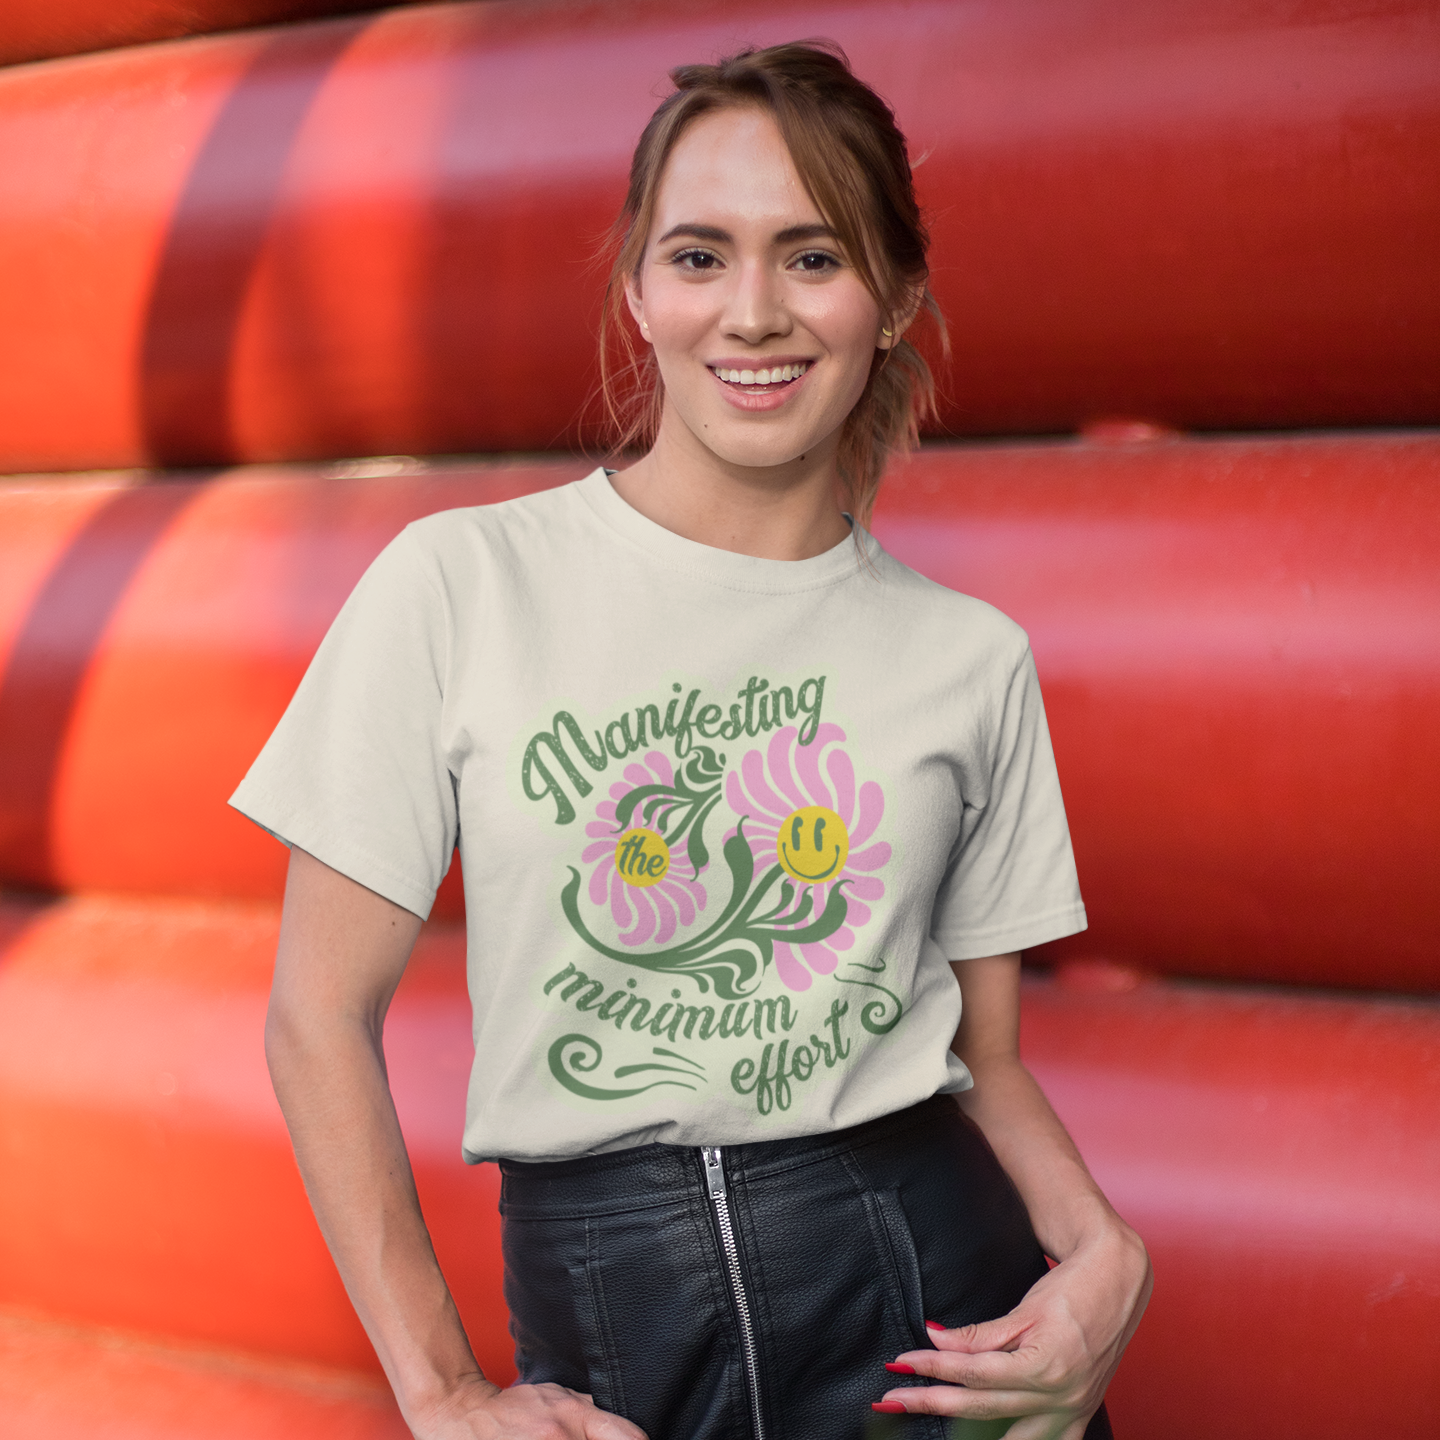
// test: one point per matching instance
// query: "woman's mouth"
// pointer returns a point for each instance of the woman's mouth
(762, 381)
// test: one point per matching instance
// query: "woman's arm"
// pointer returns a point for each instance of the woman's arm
(1052, 1356)
(342, 952)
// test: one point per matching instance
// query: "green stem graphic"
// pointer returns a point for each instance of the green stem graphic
(733, 951)
(679, 809)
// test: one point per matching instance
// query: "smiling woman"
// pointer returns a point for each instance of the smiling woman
(765, 291)
(770, 247)
(751, 1136)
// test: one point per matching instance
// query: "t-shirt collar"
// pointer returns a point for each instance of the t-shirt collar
(724, 567)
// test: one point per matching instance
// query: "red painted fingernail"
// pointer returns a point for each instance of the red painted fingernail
(899, 1367)
(889, 1407)
(933, 1325)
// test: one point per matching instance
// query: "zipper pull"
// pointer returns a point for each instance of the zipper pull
(714, 1171)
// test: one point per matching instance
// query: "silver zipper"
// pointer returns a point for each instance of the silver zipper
(715, 1181)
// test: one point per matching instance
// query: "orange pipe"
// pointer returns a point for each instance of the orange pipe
(1278, 1155)
(154, 634)
(1239, 644)
(43, 29)
(1280, 1158)
(58, 1382)
(1237, 638)
(372, 235)
(151, 1185)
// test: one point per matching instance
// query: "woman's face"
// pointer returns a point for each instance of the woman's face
(763, 333)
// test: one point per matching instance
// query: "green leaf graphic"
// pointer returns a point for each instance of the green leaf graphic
(732, 952)
(679, 810)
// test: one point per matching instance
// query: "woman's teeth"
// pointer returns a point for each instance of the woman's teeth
(780, 375)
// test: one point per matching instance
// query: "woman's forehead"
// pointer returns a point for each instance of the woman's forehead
(731, 171)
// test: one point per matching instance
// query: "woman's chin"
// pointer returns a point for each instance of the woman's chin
(769, 448)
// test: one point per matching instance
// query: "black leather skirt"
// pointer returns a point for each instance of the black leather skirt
(756, 1293)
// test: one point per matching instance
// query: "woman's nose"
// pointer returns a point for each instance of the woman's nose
(755, 305)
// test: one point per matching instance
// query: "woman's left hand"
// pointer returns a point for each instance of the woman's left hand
(1049, 1360)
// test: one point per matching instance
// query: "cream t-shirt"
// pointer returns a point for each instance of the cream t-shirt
(723, 821)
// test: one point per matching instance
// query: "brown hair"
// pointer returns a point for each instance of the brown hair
(852, 159)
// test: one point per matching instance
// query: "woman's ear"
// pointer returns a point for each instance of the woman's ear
(890, 335)
(637, 306)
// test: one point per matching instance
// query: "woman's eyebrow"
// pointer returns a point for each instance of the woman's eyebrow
(805, 232)
(696, 232)
(717, 236)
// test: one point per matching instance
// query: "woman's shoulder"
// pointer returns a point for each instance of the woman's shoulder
(453, 555)
(521, 533)
(549, 511)
(927, 606)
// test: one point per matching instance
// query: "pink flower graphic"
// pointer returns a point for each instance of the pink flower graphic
(782, 794)
(645, 910)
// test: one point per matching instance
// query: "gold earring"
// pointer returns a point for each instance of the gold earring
(888, 334)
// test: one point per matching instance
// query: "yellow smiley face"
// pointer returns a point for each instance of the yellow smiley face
(642, 857)
(813, 844)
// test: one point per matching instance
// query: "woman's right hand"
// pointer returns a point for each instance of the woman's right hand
(482, 1411)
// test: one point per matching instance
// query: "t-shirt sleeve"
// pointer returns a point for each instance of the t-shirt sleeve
(1011, 881)
(356, 772)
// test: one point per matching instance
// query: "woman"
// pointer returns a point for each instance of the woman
(739, 799)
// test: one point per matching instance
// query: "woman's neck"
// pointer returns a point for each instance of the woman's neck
(774, 512)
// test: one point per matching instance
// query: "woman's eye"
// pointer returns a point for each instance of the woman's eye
(695, 260)
(815, 262)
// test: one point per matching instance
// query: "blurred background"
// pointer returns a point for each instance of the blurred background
(276, 278)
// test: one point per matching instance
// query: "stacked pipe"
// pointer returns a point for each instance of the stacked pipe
(272, 250)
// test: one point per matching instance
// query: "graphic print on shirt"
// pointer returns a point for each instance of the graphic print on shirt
(778, 914)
